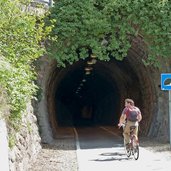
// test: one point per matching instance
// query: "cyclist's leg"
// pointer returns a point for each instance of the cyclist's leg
(136, 133)
(126, 134)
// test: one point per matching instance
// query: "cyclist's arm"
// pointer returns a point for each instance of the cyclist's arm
(122, 119)
(139, 116)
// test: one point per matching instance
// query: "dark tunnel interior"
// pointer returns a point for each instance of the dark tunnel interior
(91, 99)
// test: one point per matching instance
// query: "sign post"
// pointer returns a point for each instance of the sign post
(170, 115)
(166, 85)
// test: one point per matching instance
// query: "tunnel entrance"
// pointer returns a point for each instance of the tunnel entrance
(99, 99)
(91, 99)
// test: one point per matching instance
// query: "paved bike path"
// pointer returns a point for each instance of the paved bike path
(102, 150)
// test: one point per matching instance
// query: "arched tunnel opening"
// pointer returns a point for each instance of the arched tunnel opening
(91, 99)
(99, 100)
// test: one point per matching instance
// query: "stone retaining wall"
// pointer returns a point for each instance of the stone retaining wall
(27, 143)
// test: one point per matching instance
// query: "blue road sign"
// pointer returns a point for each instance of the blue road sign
(166, 81)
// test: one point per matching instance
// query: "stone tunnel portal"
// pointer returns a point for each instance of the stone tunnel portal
(100, 99)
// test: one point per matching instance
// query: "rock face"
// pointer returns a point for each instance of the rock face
(27, 143)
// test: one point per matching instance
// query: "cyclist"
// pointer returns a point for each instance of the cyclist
(131, 116)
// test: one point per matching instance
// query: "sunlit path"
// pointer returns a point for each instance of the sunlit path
(103, 151)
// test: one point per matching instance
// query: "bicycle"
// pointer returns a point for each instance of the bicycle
(133, 146)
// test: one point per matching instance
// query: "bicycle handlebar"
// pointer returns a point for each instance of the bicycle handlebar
(121, 125)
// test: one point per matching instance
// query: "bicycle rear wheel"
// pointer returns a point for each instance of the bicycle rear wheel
(136, 152)
(128, 152)
(135, 149)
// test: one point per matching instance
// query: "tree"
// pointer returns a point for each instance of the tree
(107, 28)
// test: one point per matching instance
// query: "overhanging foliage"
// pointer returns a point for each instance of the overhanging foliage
(107, 28)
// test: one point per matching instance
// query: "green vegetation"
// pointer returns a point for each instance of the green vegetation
(4, 108)
(11, 140)
(22, 34)
(107, 28)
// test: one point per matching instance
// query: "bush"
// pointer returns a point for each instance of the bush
(22, 33)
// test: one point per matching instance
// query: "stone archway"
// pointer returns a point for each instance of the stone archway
(105, 90)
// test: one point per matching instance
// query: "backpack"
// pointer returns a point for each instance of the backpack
(132, 115)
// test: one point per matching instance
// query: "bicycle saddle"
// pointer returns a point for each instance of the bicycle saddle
(132, 127)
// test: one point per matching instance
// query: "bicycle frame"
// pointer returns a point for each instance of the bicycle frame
(134, 144)
(132, 135)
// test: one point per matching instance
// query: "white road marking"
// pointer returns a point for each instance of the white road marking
(77, 148)
(77, 139)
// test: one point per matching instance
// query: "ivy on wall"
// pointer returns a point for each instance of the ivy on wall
(107, 28)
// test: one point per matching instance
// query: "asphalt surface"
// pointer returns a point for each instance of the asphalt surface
(101, 148)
